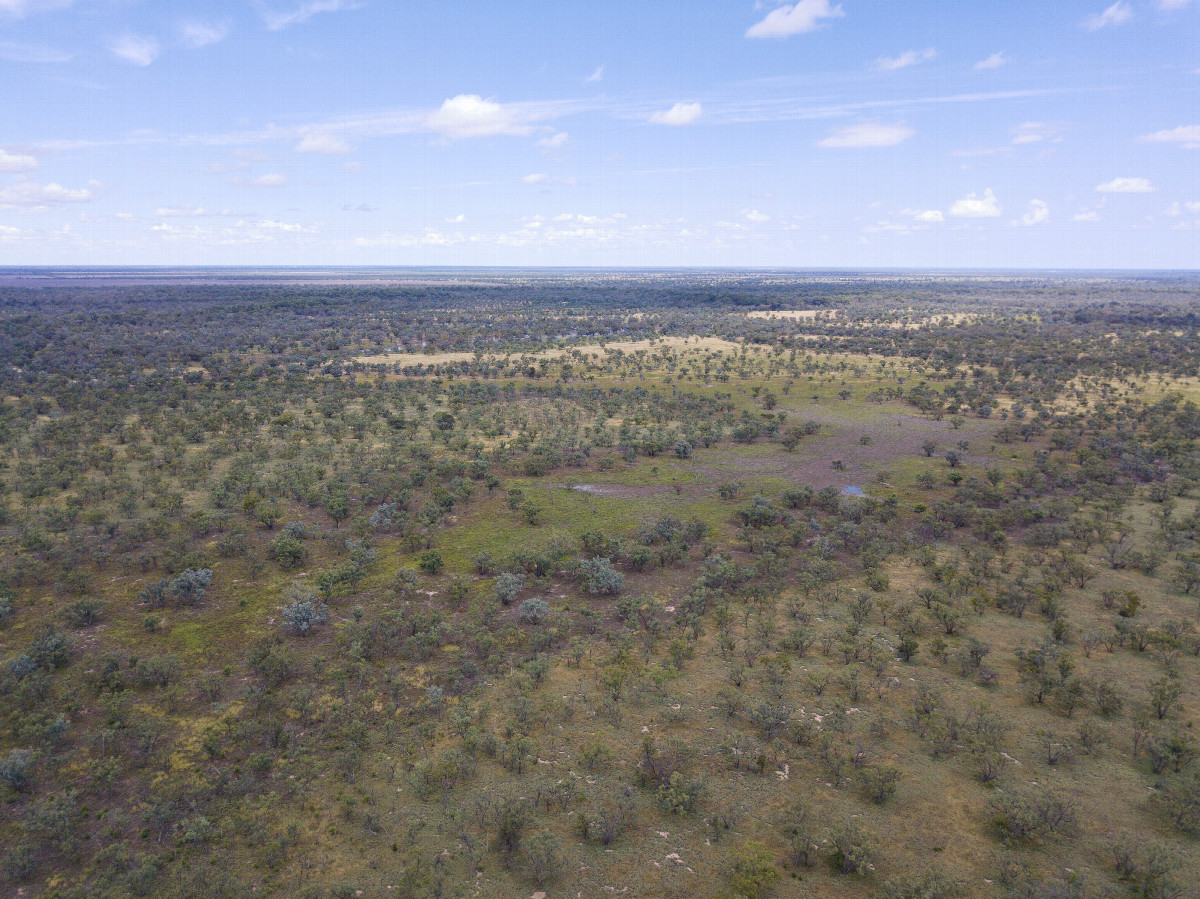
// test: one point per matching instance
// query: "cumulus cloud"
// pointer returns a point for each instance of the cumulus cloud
(1038, 212)
(679, 114)
(973, 206)
(16, 162)
(1087, 215)
(536, 178)
(904, 60)
(277, 20)
(1126, 186)
(140, 51)
(554, 141)
(928, 215)
(31, 197)
(995, 61)
(798, 18)
(469, 115)
(1186, 135)
(322, 142)
(1117, 14)
(868, 134)
(755, 216)
(196, 33)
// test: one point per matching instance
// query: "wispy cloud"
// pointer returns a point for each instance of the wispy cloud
(974, 206)
(597, 75)
(1117, 14)
(196, 33)
(798, 18)
(868, 134)
(1185, 135)
(277, 20)
(18, 52)
(553, 141)
(1126, 186)
(904, 60)
(1036, 132)
(995, 61)
(135, 49)
(679, 114)
(18, 9)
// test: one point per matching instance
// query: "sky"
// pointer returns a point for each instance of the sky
(809, 134)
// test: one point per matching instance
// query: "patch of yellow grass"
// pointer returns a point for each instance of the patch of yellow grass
(793, 313)
(693, 342)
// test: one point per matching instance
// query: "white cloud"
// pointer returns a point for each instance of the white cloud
(995, 61)
(140, 51)
(868, 134)
(180, 211)
(597, 75)
(29, 196)
(973, 206)
(20, 8)
(1034, 132)
(1173, 4)
(1126, 186)
(1038, 212)
(1087, 215)
(554, 141)
(456, 220)
(905, 59)
(269, 180)
(17, 52)
(16, 162)
(1117, 14)
(469, 115)
(1187, 135)
(276, 20)
(322, 142)
(755, 216)
(196, 33)
(679, 114)
(928, 215)
(536, 178)
(803, 16)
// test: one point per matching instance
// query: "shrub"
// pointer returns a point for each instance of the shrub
(752, 871)
(507, 587)
(852, 850)
(83, 612)
(287, 550)
(15, 768)
(430, 561)
(304, 612)
(6, 608)
(534, 611)
(543, 856)
(601, 578)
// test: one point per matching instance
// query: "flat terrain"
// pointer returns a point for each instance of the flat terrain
(670, 595)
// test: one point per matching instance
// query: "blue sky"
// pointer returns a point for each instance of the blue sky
(859, 133)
